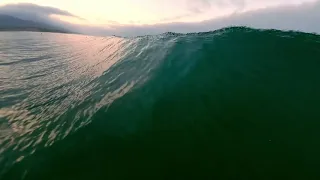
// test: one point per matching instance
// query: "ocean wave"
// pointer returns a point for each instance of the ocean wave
(221, 101)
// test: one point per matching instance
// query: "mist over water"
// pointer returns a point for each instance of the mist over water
(236, 103)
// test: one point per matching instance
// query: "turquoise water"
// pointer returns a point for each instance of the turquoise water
(236, 103)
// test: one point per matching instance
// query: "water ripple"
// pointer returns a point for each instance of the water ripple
(52, 84)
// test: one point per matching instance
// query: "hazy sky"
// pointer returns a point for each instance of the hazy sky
(103, 12)
(141, 17)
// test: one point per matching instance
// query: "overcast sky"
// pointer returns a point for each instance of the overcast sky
(139, 17)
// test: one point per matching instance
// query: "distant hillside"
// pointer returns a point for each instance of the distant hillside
(10, 23)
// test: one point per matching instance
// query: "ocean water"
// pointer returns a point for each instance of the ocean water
(236, 103)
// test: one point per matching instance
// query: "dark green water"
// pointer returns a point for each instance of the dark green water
(236, 103)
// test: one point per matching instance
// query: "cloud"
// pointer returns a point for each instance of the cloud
(303, 17)
(43, 14)
(175, 18)
(239, 3)
(29, 7)
(33, 12)
(198, 6)
(201, 6)
(228, 3)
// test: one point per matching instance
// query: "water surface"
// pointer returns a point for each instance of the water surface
(236, 103)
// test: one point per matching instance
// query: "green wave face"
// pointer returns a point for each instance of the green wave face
(235, 103)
